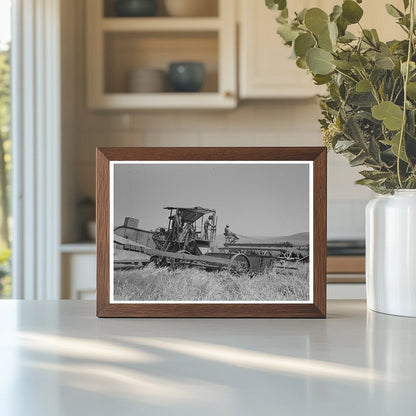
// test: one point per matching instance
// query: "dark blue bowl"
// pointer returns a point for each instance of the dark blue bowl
(135, 8)
(187, 76)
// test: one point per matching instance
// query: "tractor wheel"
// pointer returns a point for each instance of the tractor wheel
(239, 264)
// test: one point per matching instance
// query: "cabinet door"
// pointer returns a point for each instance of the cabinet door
(265, 68)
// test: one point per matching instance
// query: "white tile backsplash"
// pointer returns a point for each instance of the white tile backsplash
(216, 120)
(346, 218)
(148, 120)
(173, 138)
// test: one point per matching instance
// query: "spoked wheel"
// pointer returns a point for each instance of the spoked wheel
(239, 264)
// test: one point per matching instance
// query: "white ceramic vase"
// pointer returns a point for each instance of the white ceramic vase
(391, 253)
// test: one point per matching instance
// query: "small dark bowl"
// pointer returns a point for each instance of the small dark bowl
(187, 76)
(135, 8)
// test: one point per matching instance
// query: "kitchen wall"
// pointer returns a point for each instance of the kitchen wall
(253, 123)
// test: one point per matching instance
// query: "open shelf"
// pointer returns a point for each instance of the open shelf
(119, 45)
(127, 51)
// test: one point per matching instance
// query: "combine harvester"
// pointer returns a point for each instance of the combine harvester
(189, 240)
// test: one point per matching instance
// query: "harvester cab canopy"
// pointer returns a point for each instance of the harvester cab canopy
(190, 215)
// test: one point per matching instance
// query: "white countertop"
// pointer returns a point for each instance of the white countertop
(56, 358)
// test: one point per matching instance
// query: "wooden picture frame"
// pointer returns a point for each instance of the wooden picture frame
(314, 157)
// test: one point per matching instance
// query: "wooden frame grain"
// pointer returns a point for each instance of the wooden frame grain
(317, 309)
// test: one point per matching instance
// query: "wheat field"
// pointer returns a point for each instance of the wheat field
(162, 284)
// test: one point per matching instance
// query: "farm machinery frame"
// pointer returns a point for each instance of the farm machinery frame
(189, 240)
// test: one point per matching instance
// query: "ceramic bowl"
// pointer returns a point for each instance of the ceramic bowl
(135, 8)
(191, 8)
(186, 76)
(147, 80)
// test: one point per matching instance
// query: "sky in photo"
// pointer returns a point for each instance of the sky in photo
(254, 199)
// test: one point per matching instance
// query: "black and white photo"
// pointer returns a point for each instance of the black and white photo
(211, 232)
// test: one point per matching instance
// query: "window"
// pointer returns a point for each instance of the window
(5, 147)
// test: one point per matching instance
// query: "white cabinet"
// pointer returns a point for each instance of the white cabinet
(265, 70)
(118, 45)
(264, 66)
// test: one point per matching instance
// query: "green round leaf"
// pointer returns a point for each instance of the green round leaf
(303, 43)
(384, 62)
(342, 25)
(319, 61)
(363, 86)
(391, 114)
(316, 20)
(358, 61)
(351, 11)
(375, 35)
(287, 33)
(301, 15)
(322, 79)
(344, 65)
(411, 90)
(328, 38)
(333, 32)
(276, 4)
(395, 144)
(336, 12)
(324, 41)
(301, 63)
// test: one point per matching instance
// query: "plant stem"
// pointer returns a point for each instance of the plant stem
(373, 88)
(392, 91)
(346, 75)
(406, 80)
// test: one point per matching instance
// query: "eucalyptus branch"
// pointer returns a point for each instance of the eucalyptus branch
(353, 116)
(406, 80)
(404, 28)
(369, 40)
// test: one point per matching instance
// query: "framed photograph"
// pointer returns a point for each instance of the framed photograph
(211, 232)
